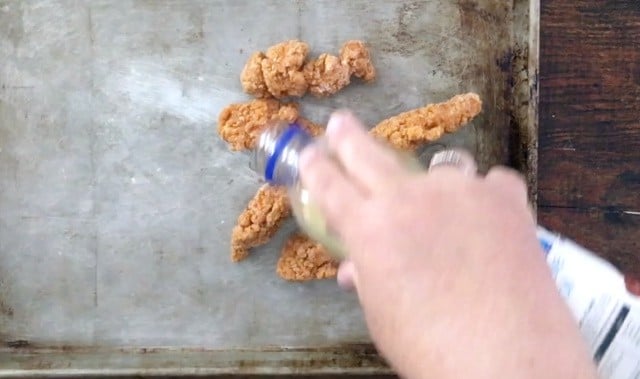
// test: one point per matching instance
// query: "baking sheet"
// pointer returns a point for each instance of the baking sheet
(117, 198)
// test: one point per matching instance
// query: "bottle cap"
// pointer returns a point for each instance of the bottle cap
(455, 157)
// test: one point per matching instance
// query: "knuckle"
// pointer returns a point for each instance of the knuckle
(508, 179)
(504, 174)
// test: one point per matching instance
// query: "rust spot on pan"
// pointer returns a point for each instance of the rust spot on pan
(471, 13)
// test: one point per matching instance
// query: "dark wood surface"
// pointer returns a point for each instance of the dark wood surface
(589, 139)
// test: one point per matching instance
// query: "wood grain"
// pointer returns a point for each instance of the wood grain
(589, 139)
(614, 231)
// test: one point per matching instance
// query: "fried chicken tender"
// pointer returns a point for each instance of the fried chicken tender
(302, 259)
(260, 220)
(251, 77)
(282, 69)
(282, 72)
(240, 124)
(326, 75)
(355, 55)
(410, 130)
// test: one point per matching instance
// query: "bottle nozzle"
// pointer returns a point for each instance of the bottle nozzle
(276, 147)
(459, 158)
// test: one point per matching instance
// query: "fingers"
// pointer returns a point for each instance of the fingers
(508, 182)
(364, 159)
(347, 276)
(327, 185)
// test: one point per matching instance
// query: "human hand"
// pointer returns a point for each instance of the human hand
(447, 266)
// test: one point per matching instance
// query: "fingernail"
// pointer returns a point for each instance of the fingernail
(336, 121)
(346, 276)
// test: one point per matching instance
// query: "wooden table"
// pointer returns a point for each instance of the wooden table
(589, 157)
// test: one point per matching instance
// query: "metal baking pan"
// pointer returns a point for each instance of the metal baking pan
(117, 197)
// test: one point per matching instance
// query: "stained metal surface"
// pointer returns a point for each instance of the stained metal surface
(117, 198)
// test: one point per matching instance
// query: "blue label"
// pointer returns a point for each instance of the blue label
(545, 244)
(281, 143)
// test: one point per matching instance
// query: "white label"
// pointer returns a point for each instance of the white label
(608, 316)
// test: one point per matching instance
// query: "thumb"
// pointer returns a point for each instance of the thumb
(347, 276)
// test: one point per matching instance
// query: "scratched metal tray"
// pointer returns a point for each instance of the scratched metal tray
(117, 198)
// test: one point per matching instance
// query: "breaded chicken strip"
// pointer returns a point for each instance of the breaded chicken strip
(240, 124)
(412, 129)
(302, 259)
(326, 75)
(282, 69)
(260, 220)
(355, 55)
(251, 77)
(282, 72)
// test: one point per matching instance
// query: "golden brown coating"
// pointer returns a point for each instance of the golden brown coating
(287, 112)
(282, 72)
(355, 55)
(410, 130)
(326, 75)
(239, 253)
(282, 69)
(251, 76)
(303, 259)
(240, 124)
(260, 220)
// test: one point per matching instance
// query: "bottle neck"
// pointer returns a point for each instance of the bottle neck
(276, 156)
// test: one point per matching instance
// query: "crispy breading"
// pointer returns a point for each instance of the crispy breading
(282, 69)
(326, 75)
(302, 259)
(412, 129)
(240, 124)
(355, 55)
(251, 76)
(260, 220)
(282, 72)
